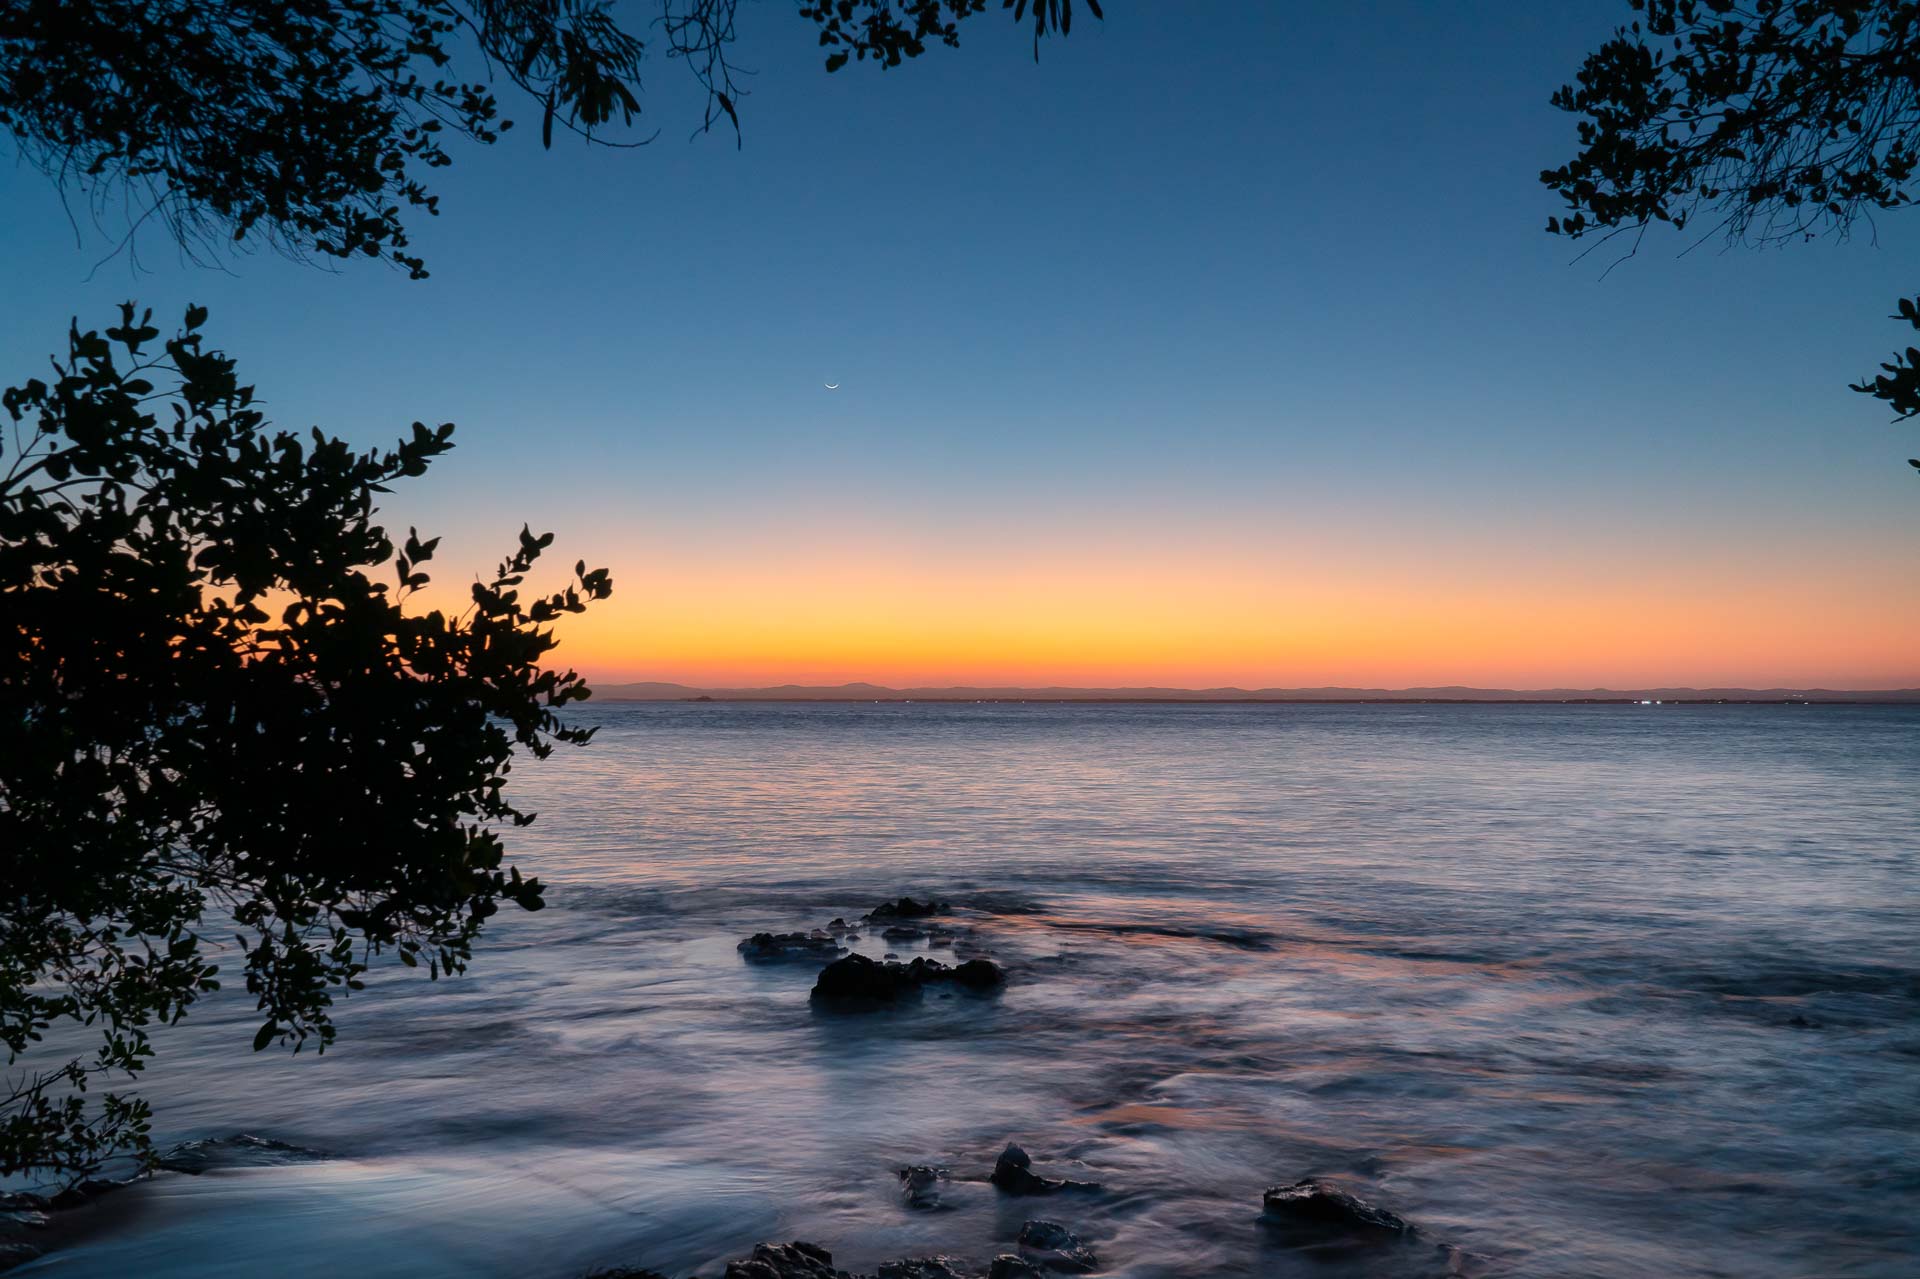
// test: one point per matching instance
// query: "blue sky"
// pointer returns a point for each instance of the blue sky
(1211, 275)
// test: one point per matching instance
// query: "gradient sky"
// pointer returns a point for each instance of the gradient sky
(1224, 346)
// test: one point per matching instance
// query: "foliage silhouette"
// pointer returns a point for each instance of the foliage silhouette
(214, 711)
(1783, 119)
(312, 126)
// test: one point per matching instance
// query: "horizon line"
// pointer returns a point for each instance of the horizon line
(857, 690)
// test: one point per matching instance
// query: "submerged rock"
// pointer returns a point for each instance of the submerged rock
(923, 1268)
(908, 908)
(794, 1260)
(1008, 1266)
(239, 1151)
(1056, 1247)
(14, 1252)
(779, 948)
(625, 1272)
(1324, 1207)
(920, 1184)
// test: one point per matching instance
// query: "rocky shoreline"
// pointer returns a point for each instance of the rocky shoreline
(1312, 1216)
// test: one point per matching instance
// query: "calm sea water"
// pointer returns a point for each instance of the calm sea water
(1584, 991)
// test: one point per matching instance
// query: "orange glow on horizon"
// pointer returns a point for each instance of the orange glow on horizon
(1181, 618)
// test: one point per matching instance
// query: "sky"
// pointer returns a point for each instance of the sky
(1222, 347)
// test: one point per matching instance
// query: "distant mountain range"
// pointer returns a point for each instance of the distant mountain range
(656, 692)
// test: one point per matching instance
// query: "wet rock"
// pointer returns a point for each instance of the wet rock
(624, 1272)
(1013, 1173)
(1323, 1207)
(794, 1260)
(240, 1151)
(908, 908)
(781, 948)
(923, 1268)
(86, 1192)
(858, 981)
(1008, 1266)
(920, 1184)
(1056, 1247)
(902, 932)
(13, 1253)
(979, 974)
(838, 925)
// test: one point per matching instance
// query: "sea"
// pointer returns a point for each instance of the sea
(1572, 990)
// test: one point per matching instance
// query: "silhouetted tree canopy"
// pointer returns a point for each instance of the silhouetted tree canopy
(312, 124)
(1776, 119)
(214, 716)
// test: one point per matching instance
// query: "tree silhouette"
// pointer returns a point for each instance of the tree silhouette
(1775, 120)
(312, 126)
(214, 711)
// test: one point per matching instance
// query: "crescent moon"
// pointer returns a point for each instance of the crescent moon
(831, 386)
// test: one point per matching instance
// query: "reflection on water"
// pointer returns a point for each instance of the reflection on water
(1607, 991)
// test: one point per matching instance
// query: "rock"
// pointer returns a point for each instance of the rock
(859, 981)
(15, 1253)
(1325, 1207)
(921, 1185)
(780, 948)
(838, 925)
(239, 1151)
(624, 1272)
(980, 974)
(86, 1192)
(922, 1268)
(902, 932)
(1008, 1266)
(908, 908)
(1056, 1247)
(1013, 1173)
(786, 1261)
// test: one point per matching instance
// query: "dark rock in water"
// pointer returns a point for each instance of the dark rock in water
(902, 932)
(980, 974)
(15, 1253)
(1008, 1266)
(857, 980)
(780, 948)
(86, 1192)
(624, 1272)
(1013, 1173)
(240, 1151)
(1328, 1208)
(908, 908)
(838, 925)
(922, 1268)
(786, 1261)
(1056, 1247)
(921, 1185)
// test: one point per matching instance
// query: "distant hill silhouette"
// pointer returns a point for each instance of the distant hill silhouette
(660, 692)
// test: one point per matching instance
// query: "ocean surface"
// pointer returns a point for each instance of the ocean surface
(1610, 991)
